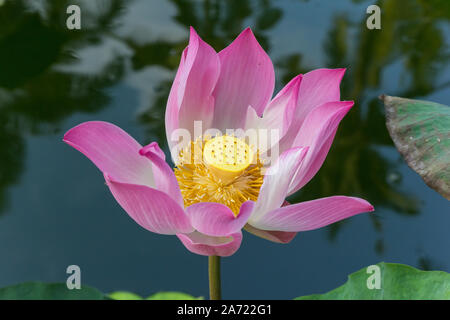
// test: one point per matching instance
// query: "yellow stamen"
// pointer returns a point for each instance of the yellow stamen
(223, 169)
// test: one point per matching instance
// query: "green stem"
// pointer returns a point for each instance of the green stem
(214, 277)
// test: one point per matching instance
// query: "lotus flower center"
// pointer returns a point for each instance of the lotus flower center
(223, 169)
(227, 156)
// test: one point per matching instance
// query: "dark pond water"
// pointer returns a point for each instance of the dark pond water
(55, 209)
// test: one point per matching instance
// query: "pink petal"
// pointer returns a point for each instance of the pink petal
(274, 236)
(173, 104)
(202, 244)
(313, 214)
(276, 183)
(317, 87)
(112, 150)
(280, 110)
(317, 132)
(215, 219)
(278, 114)
(164, 177)
(154, 148)
(190, 98)
(152, 209)
(246, 79)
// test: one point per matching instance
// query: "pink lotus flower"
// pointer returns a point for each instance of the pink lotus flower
(206, 205)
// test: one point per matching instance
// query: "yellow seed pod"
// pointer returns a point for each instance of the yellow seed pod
(227, 156)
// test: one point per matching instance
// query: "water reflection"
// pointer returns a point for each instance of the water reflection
(41, 83)
(34, 95)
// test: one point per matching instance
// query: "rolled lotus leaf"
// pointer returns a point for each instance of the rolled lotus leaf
(421, 132)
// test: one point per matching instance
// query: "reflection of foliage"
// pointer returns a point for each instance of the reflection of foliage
(424, 262)
(11, 158)
(290, 66)
(409, 33)
(34, 96)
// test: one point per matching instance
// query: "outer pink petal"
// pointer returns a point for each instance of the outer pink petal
(164, 177)
(174, 102)
(191, 97)
(246, 79)
(112, 150)
(274, 236)
(202, 244)
(317, 132)
(317, 87)
(215, 219)
(276, 183)
(313, 214)
(152, 209)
